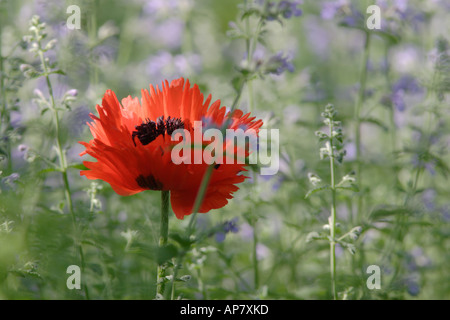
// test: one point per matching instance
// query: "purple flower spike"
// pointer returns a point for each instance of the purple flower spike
(278, 63)
(289, 9)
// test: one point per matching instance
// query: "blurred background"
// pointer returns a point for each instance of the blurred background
(257, 246)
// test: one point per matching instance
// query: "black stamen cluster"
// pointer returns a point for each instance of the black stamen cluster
(149, 182)
(150, 130)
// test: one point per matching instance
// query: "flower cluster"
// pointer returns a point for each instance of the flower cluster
(286, 9)
(405, 85)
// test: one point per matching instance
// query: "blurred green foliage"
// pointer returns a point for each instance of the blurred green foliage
(125, 46)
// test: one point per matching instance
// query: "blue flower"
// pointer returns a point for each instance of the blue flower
(289, 9)
(406, 84)
(278, 63)
(227, 227)
(11, 180)
(231, 226)
(413, 288)
(330, 9)
(429, 197)
(285, 8)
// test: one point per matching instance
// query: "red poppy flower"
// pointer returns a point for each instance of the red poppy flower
(132, 144)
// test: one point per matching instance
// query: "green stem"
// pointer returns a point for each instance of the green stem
(2, 79)
(201, 285)
(391, 108)
(248, 46)
(255, 257)
(332, 220)
(357, 116)
(63, 163)
(357, 134)
(251, 42)
(163, 236)
(5, 117)
(402, 219)
(199, 198)
(175, 274)
(203, 187)
(208, 173)
(92, 34)
(250, 95)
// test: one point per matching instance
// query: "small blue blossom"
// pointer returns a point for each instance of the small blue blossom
(406, 84)
(330, 9)
(397, 99)
(285, 8)
(428, 197)
(279, 63)
(355, 19)
(445, 211)
(289, 9)
(231, 226)
(413, 288)
(10, 181)
(227, 227)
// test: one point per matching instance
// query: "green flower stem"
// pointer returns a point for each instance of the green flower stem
(255, 257)
(393, 127)
(175, 274)
(62, 161)
(93, 41)
(357, 134)
(402, 219)
(202, 191)
(358, 107)
(208, 173)
(332, 220)
(248, 46)
(163, 236)
(5, 118)
(61, 155)
(250, 95)
(251, 42)
(201, 194)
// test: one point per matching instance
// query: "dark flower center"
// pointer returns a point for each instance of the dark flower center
(149, 182)
(150, 130)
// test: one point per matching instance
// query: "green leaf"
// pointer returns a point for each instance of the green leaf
(314, 236)
(311, 192)
(78, 166)
(26, 273)
(237, 83)
(184, 278)
(183, 241)
(3, 151)
(387, 211)
(352, 187)
(440, 164)
(59, 71)
(250, 12)
(376, 122)
(391, 37)
(293, 225)
(50, 170)
(166, 253)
